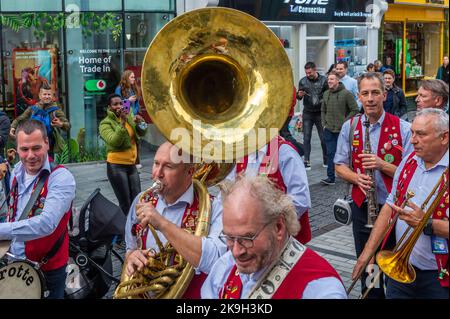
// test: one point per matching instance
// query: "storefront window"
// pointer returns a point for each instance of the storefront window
(422, 53)
(94, 64)
(391, 42)
(317, 30)
(31, 5)
(351, 46)
(30, 60)
(140, 29)
(97, 5)
(154, 5)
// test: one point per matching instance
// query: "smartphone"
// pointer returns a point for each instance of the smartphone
(126, 106)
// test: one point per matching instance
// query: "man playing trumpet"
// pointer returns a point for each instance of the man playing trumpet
(389, 141)
(419, 172)
(173, 214)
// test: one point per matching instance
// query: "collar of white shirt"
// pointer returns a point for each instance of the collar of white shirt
(186, 198)
(380, 120)
(19, 170)
(443, 162)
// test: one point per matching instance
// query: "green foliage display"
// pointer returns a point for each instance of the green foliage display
(42, 22)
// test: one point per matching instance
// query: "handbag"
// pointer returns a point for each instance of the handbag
(342, 210)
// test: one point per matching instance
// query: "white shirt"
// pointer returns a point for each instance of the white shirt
(61, 192)
(292, 170)
(322, 288)
(212, 246)
(421, 183)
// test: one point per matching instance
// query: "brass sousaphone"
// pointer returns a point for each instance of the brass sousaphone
(210, 79)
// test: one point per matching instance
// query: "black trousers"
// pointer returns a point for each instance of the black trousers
(309, 120)
(125, 182)
(286, 133)
(361, 235)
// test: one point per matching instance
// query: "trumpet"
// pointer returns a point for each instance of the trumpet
(371, 194)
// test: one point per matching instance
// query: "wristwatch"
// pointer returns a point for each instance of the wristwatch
(428, 229)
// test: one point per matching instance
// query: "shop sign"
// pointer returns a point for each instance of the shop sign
(308, 10)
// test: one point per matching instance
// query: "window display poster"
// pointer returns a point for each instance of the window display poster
(32, 68)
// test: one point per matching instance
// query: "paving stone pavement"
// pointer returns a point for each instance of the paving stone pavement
(332, 241)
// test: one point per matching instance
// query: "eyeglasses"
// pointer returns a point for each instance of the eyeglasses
(246, 242)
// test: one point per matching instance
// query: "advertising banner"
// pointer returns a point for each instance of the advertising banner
(305, 10)
(32, 68)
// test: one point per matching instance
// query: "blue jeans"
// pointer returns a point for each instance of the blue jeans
(309, 120)
(331, 140)
(55, 281)
(426, 286)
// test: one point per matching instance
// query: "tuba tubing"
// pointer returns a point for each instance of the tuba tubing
(133, 287)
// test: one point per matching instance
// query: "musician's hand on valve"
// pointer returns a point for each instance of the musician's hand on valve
(136, 261)
(411, 217)
(371, 161)
(364, 182)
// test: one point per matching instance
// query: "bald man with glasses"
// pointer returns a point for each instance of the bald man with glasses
(259, 225)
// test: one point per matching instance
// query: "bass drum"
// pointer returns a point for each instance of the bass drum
(21, 280)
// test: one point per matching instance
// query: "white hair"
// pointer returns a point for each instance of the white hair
(273, 201)
(440, 119)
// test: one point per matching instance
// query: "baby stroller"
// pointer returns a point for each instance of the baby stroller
(92, 232)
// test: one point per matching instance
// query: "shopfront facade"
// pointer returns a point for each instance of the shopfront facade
(79, 47)
(414, 37)
(322, 31)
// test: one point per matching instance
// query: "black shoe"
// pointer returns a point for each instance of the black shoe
(327, 181)
(307, 165)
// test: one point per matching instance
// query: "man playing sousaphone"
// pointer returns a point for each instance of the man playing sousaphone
(420, 172)
(264, 259)
(174, 215)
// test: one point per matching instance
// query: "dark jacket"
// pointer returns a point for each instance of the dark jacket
(443, 74)
(337, 107)
(5, 125)
(398, 106)
(314, 89)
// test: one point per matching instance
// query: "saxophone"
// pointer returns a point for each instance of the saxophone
(371, 194)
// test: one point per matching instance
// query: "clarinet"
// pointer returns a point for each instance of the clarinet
(371, 194)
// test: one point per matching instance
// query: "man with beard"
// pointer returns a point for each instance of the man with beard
(264, 260)
(310, 90)
(46, 112)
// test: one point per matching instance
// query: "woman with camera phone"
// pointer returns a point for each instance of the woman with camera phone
(121, 134)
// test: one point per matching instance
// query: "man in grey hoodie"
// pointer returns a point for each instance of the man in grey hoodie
(338, 105)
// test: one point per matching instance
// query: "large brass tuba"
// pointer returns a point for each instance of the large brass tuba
(206, 72)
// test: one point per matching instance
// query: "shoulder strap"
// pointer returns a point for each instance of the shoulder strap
(350, 139)
(35, 194)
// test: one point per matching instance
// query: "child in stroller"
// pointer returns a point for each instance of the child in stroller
(92, 233)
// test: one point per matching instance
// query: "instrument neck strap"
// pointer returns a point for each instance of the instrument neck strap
(278, 271)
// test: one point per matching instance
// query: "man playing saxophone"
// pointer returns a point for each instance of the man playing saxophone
(419, 172)
(173, 214)
(389, 140)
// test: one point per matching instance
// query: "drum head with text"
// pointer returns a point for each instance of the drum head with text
(20, 280)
